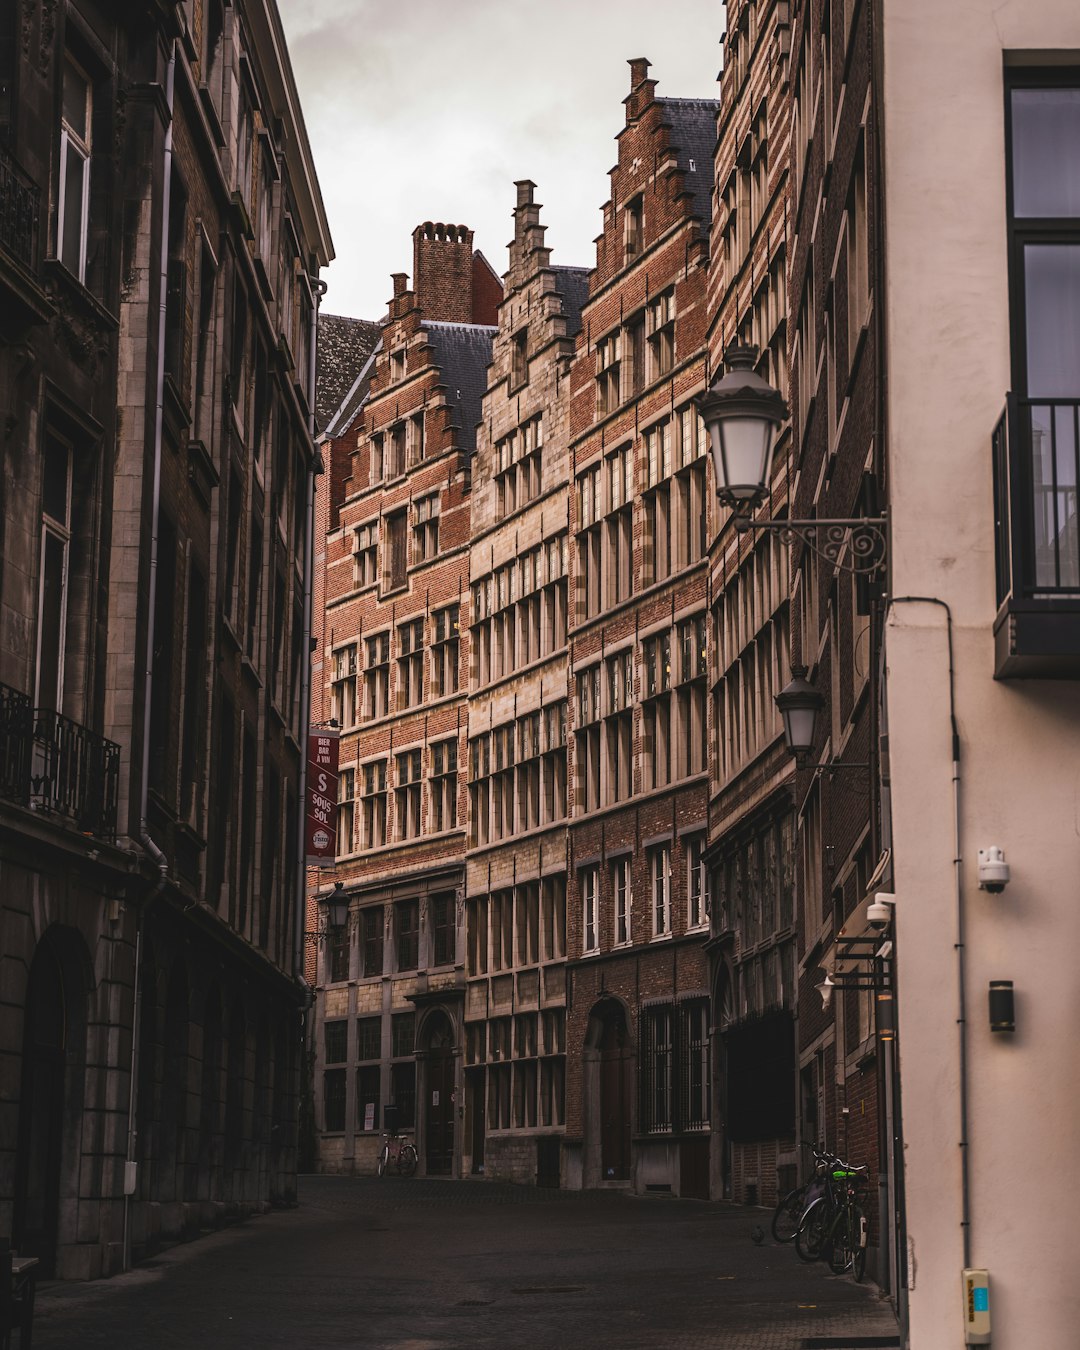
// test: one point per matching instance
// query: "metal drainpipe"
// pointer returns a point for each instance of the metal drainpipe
(305, 664)
(145, 837)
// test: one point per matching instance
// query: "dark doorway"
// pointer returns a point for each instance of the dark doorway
(608, 1027)
(439, 1104)
(52, 1053)
(477, 1116)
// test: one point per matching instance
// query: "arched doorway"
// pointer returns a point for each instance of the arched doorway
(438, 1052)
(609, 1073)
(50, 1104)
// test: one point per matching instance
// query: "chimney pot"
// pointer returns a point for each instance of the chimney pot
(639, 71)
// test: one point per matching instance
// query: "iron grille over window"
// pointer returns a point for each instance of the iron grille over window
(675, 1068)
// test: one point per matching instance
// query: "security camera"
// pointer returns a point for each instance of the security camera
(880, 910)
(993, 870)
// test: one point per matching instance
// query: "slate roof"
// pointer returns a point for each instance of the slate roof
(693, 135)
(355, 399)
(345, 345)
(572, 283)
(462, 351)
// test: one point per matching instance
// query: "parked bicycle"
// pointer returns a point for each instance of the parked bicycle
(789, 1212)
(399, 1153)
(834, 1227)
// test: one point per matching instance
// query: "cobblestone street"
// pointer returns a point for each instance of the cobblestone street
(427, 1265)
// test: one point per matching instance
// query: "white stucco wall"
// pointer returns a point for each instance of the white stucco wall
(948, 375)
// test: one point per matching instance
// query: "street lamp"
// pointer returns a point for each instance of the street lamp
(743, 414)
(335, 907)
(799, 703)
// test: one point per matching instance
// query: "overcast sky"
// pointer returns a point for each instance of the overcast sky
(429, 110)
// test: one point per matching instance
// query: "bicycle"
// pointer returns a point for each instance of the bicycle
(834, 1229)
(398, 1152)
(789, 1212)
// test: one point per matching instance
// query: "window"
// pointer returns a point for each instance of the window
(402, 1035)
(660, 334)
(674, 498)
(414, 440)
(367, 1097)
(368, 1037)
(426, 528)
(696, 909)
(337, 950)
(265, 212)
(377, 676)
(176, 281)
(403, 1074)
(365, 554)
(519, 358)
(553, 763)
(397, 364)
(73, 208)
(443, 799)
(692, 1069)
(634, 339)
(371, 940)
(633, 227)
(528, 771)
(443, 930)
(395, 559)
(480, 789)
(503, 753)
(1044, 276)
(608, 356)
(373, 805)
(553, 919)
(377, 458)
(517, 466)
(334, 1100)
(590, 541)
(587, 745)
(444, 652)
(618, 767)
(656, 1087)
(410, 638)
(619, 526)
(660, 866)
(408, 794)
(407, 934)
(346, 811)
(56, 520)
(519, 612)
(690, 697)
(656, 710)
(858, 279)
(621, 889)
(590, 900)
(343, 686)
(675, 1068)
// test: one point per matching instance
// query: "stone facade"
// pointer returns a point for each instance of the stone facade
(157, 360)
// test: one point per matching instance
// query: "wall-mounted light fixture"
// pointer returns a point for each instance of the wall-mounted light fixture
(1002, 1006)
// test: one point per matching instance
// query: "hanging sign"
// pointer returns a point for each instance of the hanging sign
(322, 791)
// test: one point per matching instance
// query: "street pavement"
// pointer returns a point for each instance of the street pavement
(442, 1265)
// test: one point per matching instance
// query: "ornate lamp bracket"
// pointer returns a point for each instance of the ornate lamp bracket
(855, 545)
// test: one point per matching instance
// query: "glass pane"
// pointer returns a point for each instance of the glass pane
(71, 227)
(54, 481)
(51, 620)
(1066, 523)
(76, 89)
(1052, 299)
(1046, 152)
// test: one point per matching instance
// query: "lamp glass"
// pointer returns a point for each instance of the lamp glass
(742, 449)
(337, 910)
(799, 726)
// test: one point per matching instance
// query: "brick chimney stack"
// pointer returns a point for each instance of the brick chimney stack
(443, 272)
(642, 89)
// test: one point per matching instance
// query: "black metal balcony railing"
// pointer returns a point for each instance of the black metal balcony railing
(49, 762)
(19, 205)
(1036, 473)
(1036, 459)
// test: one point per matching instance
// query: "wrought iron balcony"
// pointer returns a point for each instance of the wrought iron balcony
(1036, 454)
(19, 205)
(55, 765)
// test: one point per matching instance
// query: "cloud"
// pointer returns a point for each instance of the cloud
(427, 110)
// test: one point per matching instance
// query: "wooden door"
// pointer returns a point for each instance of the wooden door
(439, 1119)
(615, 1088)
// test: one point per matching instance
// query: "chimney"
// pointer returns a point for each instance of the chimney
(639, 71)
(443, 271)
(641, 88)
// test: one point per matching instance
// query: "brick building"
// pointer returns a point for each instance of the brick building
(637, 1095)
(515, 1007)
(751, 819)
(159, 360)
(390, 985)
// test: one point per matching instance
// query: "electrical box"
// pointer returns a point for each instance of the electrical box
(131, 1175)
(976, 1307)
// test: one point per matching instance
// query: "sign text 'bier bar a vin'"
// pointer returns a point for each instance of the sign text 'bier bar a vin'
(322, 791)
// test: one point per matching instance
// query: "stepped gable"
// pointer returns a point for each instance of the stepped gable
(572, 285)
(345, 349)
(693, 137)
(462, 351)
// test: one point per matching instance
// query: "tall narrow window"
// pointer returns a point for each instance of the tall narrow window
(443, 931)
(55, 551)
(410, 637)
(590, 919)
(343, 687)
(696, 916)
(623, 896)
(407, 933)
(426, 528)
(519, 358)
(444, 652)
(373, 805)
(396, 554)
(443, 800)
(73, 208)
(633, 226)
(371, 941)
(408, 794)
(661, 891)
(346, 811)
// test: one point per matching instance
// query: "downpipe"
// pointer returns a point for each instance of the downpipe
(145, 838)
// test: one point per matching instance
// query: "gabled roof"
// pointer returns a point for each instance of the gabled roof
(572, 284)
(462, 351)
(344, 349)
(693, 137)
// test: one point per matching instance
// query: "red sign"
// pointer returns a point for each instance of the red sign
(322, 791)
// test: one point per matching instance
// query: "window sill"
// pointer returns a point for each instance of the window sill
(661, 937)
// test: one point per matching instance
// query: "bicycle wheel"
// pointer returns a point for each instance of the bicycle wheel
(384, 1160)
(837, 1249)
(858, 1262)
(406, 1162)
(811, 1231)
(785, 1220)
